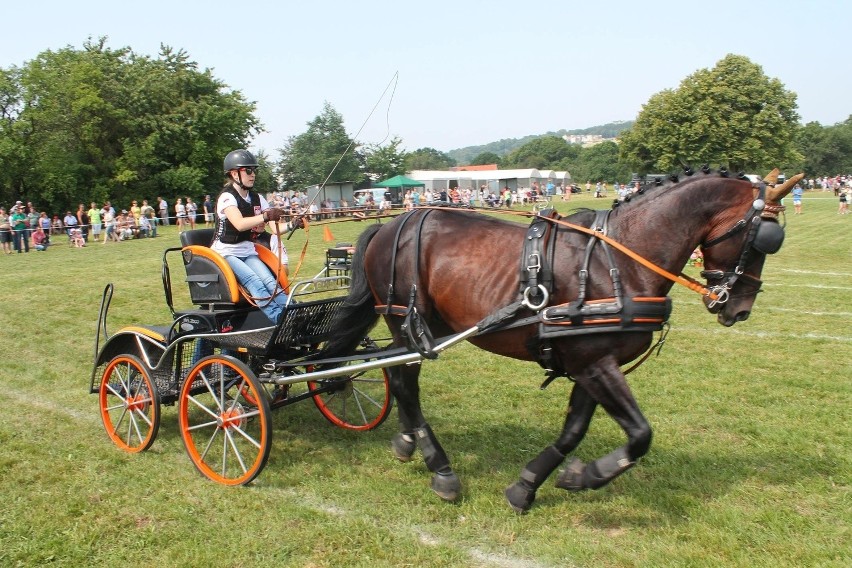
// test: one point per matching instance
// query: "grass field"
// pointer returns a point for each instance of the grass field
(750, 465)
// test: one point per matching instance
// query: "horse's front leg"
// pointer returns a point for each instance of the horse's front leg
(606, 383)
(415, 431)
(521, 494)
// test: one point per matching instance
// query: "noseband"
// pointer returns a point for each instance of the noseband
(764, 237)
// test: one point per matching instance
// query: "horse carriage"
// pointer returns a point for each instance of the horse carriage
(226, 366)
(590, 291)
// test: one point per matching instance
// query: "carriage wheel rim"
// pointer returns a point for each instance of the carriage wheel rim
(129, 405)
(225, 425)
(353, 407)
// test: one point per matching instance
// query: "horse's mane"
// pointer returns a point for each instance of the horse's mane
(659, 185)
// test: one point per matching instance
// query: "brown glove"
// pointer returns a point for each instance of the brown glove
(297, 223)
(272, 214)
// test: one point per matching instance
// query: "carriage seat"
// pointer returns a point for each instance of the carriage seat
(209, 276)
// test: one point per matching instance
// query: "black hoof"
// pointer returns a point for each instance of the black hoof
(447, 486)
(519, 498)
(571, 477)
(402, 449)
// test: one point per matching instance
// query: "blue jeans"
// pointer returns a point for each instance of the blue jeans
(256, 277)
(21, 240)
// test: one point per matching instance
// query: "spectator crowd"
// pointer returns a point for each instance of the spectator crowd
(23, 227)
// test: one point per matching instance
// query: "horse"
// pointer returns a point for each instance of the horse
(457, 268)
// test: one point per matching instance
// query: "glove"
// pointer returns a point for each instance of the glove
(297, 223)
(272, 214)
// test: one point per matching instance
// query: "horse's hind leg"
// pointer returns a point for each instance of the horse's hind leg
(606, 383)
(405, 386)
(521, 494)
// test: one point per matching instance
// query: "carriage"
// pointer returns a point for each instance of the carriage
(574, 306)
(226, 367)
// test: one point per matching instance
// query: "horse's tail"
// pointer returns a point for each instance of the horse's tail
(357, 315)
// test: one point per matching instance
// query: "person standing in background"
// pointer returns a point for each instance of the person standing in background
(19, 229)
(163, 208)
(95, 219)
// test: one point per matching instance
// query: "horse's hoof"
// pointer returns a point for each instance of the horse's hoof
(403, 448)
(519, 498)
(447, 486)
(571, 477)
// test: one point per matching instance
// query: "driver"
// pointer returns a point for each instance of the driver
(242, 215)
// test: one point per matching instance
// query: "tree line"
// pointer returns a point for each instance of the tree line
(99, 124)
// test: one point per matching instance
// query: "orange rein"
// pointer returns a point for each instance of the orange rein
(681, 279)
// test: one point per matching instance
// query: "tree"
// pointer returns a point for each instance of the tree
(386, 161)
(99, 123)
(542, 153)
(428, 159)
(732, 115)
(484, 158)
(598, 163)
(827, 150)
(309, 158)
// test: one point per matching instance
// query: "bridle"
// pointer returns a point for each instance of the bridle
(764, 236)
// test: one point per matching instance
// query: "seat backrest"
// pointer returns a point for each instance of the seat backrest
(211, 279)
(201, 237)
(341, 254)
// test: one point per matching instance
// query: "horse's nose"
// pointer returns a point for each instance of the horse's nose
(729, 321)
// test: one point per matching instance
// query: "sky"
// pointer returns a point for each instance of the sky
(449, 74)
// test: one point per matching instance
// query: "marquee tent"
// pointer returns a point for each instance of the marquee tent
(400, 182)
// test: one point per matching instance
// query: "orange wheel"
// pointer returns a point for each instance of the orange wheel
(130, 407)
(225, 420)
(360, 401)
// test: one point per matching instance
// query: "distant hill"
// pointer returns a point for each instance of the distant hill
(506, 145)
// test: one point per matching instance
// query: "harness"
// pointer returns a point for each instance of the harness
(582, 316)
(536, 285)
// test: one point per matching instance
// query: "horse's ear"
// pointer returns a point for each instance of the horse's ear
(771, 177)
(774, 195)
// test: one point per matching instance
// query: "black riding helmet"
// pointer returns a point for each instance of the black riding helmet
(239, 159)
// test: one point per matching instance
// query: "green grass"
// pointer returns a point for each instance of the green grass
(750, 464)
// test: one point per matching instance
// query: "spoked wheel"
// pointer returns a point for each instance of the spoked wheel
(130, 407)
(360, 401)
(225, 420)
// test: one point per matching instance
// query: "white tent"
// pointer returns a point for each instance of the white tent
(494, 180)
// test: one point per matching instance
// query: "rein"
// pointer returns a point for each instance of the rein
(681, 279)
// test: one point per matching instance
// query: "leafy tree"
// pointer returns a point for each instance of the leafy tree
(265, 181)
(598, 163)
(99, 123)
(827, 150)
(484, 158)
(428, 159)
(386, 161)
(546, 152)
(310, 157)
(732, 115)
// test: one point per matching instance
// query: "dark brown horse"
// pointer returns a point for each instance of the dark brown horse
(454, 268)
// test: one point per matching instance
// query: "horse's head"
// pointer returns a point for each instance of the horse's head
(733, 261)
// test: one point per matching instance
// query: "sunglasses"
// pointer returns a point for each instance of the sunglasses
(249, 171)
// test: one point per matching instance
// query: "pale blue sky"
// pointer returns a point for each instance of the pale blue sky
(469, 72)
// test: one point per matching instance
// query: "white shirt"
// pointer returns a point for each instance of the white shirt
(243, 248)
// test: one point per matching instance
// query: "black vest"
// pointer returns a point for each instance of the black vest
(225, 231)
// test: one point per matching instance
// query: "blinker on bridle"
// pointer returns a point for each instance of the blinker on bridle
(764, 236)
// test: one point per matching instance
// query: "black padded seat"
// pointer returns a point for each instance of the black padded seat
(200, 237)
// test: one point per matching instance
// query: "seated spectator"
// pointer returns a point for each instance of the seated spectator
(40, 239)
(124, 226)
(76, 236)
(56, 226)
(144, 227)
